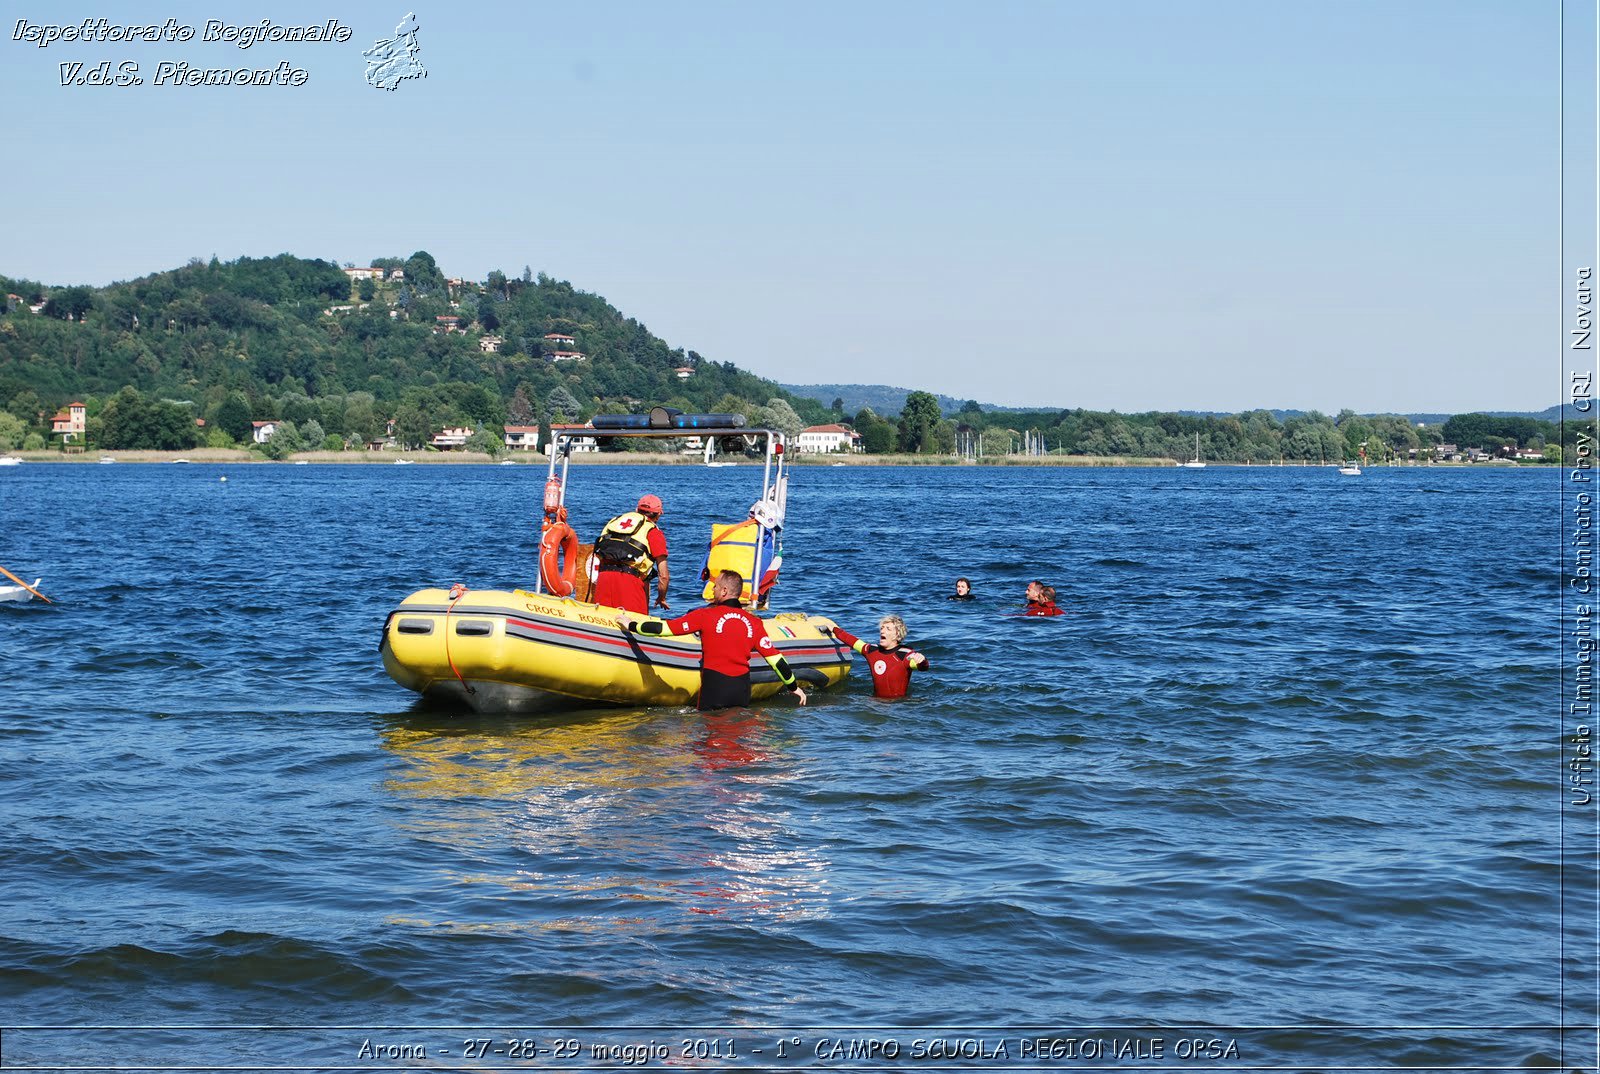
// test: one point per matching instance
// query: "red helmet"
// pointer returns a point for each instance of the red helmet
(649, 504)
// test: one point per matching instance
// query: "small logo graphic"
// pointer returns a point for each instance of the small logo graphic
(390, 62)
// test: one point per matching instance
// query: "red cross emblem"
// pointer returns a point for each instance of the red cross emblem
(625, 524)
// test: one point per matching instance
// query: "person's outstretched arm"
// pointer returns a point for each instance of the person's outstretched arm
(849, 639)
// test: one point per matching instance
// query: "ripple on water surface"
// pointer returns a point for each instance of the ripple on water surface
(1280, 763)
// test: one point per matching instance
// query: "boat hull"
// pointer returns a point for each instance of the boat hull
(16, 593)
(514, 651)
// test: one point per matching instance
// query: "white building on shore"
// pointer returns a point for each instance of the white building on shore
(822, 439)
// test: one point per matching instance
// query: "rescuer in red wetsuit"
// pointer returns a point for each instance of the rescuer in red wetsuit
(628, 551)
(1041, 600)
(890, 661)
(728, 635)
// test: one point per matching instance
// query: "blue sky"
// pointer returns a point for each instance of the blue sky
(1135, 205)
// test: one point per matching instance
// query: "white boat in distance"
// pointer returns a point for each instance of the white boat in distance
(403, 462)
(18, 593)
(107, 460)
(1194, 463)
(10, 460)
(1350, 470)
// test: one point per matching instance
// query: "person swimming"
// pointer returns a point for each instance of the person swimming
(1041, 600)
(963, 590)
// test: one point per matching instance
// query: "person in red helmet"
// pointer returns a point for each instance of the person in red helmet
(630, 549)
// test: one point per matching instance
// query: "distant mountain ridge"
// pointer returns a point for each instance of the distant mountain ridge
(887, 401)
(884, 399)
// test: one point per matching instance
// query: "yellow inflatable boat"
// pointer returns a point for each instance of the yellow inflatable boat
(502, 651)
(516, 651)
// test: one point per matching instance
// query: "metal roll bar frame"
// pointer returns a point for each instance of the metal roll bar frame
(774, 476)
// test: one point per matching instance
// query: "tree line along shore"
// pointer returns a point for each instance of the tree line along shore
(395, 352)
(235, 456)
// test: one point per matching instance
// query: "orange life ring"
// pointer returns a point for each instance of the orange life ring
(558, 559)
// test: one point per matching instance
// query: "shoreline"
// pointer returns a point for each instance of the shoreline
(241, 456)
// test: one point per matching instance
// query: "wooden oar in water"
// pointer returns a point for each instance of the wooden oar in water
(26, 586)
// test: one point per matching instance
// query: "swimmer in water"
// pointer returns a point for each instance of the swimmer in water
(963, 590)
(1041, 600)
(890, 662)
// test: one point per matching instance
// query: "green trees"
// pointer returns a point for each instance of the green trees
(490, 440)
(250, 339)
(130, 421)
(999, 441)
(286, 440)
(423, 275)
(258, 327)
(918, 421)
(360, 420)
(561, 406)
(520, 410)
(12, 431)
(1490, 433)
(69, 304)
(877, 434)
(777, 414)
(234, 416)
(412, 429)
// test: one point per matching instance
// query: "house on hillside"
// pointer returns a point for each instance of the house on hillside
(522, 438)
(491, 344)
(70, 423)
(364, 273)
(451, 439)
(684, 372)
(821, 439)
(567, 356)
(561, 340)
(261, 431)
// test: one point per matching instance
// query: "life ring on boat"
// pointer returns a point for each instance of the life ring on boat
(558, 559)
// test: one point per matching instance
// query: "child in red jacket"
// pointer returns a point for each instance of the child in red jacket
(890, 661)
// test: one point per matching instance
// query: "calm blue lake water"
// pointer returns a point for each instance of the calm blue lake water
(1288, 761)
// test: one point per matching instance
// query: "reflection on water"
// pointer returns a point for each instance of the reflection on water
(617, 821)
